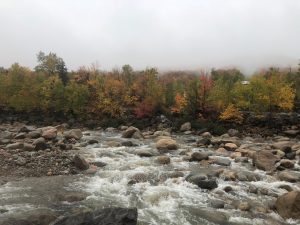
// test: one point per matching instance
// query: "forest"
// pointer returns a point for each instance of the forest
(90, 92)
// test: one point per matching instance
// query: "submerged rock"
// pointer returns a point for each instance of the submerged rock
(113, 216)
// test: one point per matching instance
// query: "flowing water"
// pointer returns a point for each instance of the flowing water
(162, 196)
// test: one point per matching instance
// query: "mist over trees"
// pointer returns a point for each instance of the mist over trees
(89, 92)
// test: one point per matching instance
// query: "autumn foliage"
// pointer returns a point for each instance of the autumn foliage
(90, 92)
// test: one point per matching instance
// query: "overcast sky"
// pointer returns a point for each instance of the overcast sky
(168, 34)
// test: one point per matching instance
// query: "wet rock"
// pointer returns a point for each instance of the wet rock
(222, 151)
(228, 175)
(49, 133)
(80, 162)
(114, 216)
(143, 153)
(17, 145)
(138, 178)
(264, 160)
(288, 205)
(198, 156)
(93, 141)
(203, 142)
(214, 217)
(289, 176)
(287, 163)
(91, 170)
(74, 133)
(247, 176)
(40, 144)
(20, 136)
(206, 135)
(233, 132)
(228, 189)
(244, 206)
(26, 129)
(222, 161)
(166, 144)
(286, 187)
(282, 145)
(129, 132)
(241, 160)
(230, 146)
(202, 181)
(137, 135)
(217, 204)
(71, 197)
(99, 164)
(186, 127)
(129, 143)
(36, 217)
(113, 144)
(290, 155)
(163, 159)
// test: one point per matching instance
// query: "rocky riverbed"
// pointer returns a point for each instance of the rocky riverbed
(58, 175)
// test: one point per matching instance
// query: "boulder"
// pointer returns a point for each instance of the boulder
(163, 159)
(129, 132)
(198, 156)
(230, 146)
(282, 145)
(20, 135)
(206, 135)
(13, 146)
(264, 160)
(80, 162)
(202, 181)
(35, 134)
(286, 163)
(50, 133)
(186, 127)
(40, 144)
(289, 176)
(115, 216)
(74, 133)
(288, 205)
(166, 144)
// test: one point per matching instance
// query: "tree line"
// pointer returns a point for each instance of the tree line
(89, 92)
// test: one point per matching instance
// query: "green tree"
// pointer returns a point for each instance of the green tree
(51, 64)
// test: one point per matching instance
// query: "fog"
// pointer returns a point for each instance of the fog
(167, 34)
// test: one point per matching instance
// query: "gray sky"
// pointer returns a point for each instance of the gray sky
(168, 34)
